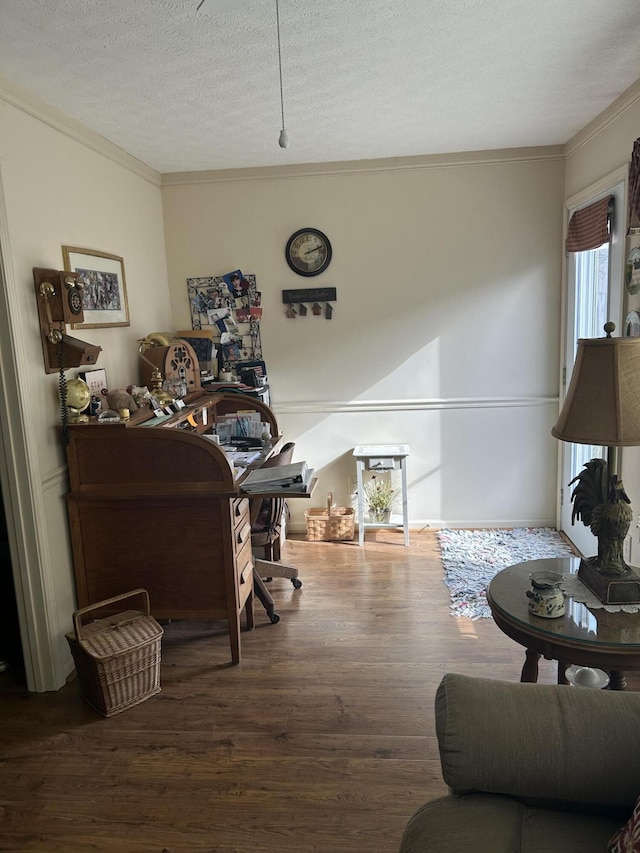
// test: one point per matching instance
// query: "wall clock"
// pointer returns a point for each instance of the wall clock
(308, 251)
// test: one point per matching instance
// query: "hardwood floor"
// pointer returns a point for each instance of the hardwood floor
(321, 741)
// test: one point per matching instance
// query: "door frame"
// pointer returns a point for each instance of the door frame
(588, 194)
(21, 486)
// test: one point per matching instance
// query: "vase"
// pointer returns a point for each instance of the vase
(380, 516)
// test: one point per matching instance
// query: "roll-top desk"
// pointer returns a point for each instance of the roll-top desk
(159, 507)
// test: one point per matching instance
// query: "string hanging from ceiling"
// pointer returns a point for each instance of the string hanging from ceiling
(283, 139)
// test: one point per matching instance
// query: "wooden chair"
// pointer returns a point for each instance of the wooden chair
(267, 527)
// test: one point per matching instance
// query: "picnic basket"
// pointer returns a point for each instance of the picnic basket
(330, 523)
(117, 658)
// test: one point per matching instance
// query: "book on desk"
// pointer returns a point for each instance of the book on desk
(289, 479)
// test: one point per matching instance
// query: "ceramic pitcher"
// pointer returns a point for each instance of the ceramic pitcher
(546, 599)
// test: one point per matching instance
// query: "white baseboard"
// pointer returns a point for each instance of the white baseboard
(417, 526)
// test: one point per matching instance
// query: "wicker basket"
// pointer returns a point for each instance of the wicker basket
(330, 523)
(117, 658)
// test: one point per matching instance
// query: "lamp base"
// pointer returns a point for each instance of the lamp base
(610, 589)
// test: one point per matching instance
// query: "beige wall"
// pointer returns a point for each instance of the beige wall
(446, 325)
(58, 191)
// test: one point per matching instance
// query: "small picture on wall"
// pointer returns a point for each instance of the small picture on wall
(236, 283)
(104, 298)
(632, 325)
(231, 352)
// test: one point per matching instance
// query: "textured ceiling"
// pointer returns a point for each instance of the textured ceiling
(188, 90)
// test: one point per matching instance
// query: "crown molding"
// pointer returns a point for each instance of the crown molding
(15, 95)
(602, 185)
(628, 99)
(495, 157)
(21, 98)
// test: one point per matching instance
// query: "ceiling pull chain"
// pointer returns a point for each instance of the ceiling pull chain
(283, 140)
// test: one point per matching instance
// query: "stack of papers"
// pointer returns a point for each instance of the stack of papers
(242, 458)
(286, 478)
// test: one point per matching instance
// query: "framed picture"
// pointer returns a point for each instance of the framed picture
(97, 382)
(104, 298)
(632, 325)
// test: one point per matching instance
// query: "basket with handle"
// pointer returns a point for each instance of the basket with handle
(117, 658)
(330, 523)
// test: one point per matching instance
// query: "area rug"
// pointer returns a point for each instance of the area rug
(472, 557)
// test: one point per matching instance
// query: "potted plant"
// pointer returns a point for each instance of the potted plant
(379, 496)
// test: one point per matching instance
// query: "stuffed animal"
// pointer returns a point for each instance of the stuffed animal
(120, 399)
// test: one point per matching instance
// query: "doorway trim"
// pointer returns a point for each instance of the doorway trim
(21, 489)
(604, 184)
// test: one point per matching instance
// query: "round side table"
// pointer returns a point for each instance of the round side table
(594, 638)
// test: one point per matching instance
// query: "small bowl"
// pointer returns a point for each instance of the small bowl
(545, 580)
(584, 676)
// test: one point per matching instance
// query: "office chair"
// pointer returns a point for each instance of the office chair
(267, 527)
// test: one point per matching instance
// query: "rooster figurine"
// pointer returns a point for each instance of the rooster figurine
(601, 503)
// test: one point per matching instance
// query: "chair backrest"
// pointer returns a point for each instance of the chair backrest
(282, 458)
(271, 509)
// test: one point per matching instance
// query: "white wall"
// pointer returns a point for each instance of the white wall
(57, 190)
(445, 330)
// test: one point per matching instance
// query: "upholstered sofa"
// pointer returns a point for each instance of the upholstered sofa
(531, 768)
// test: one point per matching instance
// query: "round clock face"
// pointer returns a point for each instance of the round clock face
(308, 251)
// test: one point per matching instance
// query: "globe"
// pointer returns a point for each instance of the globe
(78, 398)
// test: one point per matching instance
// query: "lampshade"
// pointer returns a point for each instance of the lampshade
(602, 406)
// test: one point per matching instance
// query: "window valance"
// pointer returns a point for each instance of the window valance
(590, 226)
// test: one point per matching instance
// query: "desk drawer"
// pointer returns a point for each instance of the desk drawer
(245, 588)
(244, 567)
(242, 536)
(239, 510)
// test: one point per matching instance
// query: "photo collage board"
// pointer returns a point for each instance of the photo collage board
(231, 306)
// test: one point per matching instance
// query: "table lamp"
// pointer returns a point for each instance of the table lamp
(602, 407)
(156, 389)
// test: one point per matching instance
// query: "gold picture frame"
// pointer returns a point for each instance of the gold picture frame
(104, 297)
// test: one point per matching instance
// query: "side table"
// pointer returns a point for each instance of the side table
(381, 457)
(583, 636)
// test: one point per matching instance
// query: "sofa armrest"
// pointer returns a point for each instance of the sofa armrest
(548, 742)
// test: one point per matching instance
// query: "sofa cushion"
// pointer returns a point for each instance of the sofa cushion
(539, 741)
(488, 823)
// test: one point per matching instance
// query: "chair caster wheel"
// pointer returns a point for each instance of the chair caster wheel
(297, 583)
(274, 618)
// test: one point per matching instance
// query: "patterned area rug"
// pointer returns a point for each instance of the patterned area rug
(472, 557)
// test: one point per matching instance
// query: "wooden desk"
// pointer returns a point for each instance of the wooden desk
(159, 507)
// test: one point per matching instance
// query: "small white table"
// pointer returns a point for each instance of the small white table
(381, 457)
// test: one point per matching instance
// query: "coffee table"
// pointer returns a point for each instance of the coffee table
(595, 638)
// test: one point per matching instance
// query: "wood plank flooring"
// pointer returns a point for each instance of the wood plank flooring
(321, 741)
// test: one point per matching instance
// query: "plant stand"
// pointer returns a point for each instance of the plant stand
(381, 457)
